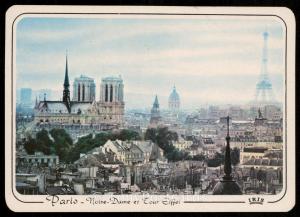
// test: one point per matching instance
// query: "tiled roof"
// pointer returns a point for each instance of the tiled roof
(255, 149)
(264, 162)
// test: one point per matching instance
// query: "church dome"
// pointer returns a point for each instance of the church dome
(174, 95)
(227, 187)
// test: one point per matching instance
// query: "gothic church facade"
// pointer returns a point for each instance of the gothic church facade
(84, 109)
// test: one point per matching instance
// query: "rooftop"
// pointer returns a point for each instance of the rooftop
(113, 78)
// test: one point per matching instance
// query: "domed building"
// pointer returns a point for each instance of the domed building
(174, 101)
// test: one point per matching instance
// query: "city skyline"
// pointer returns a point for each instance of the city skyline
(214, 66)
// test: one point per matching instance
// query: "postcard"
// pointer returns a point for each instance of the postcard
(147, 109)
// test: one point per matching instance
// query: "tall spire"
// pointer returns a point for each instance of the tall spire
(66, 92)
(66, 82)
(227, 164)
(155, 114)
(156, 104)
(227, 185)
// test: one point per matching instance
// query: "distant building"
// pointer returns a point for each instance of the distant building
(214, 112)
(182, 144)
(39, 158)
(133, 152)
(174, 101)
(223, 120)
(236, 113)
(84, 89)
(209, 147)
(106, 113)
(272, 112)
(155, 119)
(25, 97)
(248, 153)
(41, 93)
(260, 120)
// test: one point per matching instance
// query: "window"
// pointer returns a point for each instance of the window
(83, 92)
(106, 92)
(111, 93)
(78, 92)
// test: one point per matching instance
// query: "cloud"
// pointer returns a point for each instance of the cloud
(152, 55)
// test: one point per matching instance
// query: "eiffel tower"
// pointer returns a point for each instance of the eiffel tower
(264, 92)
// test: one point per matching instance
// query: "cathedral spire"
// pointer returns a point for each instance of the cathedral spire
(66, 92)
(66, 82)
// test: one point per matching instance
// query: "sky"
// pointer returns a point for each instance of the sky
(210, 60)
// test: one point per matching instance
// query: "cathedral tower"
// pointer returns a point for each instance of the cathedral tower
(112, 99)
(84, 89)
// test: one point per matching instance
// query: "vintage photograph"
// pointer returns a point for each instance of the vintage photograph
(157, 104)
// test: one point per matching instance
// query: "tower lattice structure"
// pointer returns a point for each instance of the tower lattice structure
(264, 91)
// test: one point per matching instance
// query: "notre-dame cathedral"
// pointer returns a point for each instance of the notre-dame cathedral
(83, 109)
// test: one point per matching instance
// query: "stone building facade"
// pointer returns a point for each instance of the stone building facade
(109, 110)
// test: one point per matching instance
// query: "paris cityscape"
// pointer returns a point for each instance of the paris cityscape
(88, 138)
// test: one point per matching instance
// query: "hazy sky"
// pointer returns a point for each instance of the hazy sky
(209, 59)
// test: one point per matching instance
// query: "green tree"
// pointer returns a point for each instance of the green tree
(164, 138)
(151, 134)
(62, 143)
(126, 134)
(44, 143)
(30, 145)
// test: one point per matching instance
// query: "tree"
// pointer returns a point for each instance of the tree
(216, 161)
(87, 143)
(62, 143)
(164, 138)
(30, 145)
(151, 134)
(44, 143)
(199, 157)
(126, 134)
